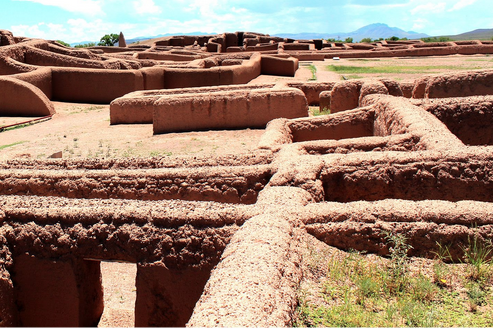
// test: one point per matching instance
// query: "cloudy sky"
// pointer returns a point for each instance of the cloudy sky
(88, 20)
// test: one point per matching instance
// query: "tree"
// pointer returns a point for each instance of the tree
(63, 43)
(366, 40)
(348, 40)
(109, 40)
(393, 38)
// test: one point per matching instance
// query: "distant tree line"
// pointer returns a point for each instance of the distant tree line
(365, 40)
(109, 40)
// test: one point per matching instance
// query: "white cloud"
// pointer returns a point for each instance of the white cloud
(419, 24)
(88, 7)
(461, 4)
(146, 7)
(429, 8)
(41, 30)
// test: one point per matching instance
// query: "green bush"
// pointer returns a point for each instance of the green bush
(85, 45)
(63, 43)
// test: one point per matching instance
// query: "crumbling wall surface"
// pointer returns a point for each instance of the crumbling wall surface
(451, 176)
(472, 83)
(6, 38)
(361, 225)
(227, 110)
(350, 124)
(398, 115)
(177, 233)
(8, 313)
(256, 280)
(40, 57)
(187, 161)
(214, 76)
(345, 96)
(233, 185)
(470, 119)
(29, 100)
(312, 90)
(50, 248)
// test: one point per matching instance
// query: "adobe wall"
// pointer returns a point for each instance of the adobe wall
(455, 85)
(29, 100)
(217, 240)
(279, 66)
(232, 185)
(227, 110)
(470, 119)
(93, 86)
(138, 107)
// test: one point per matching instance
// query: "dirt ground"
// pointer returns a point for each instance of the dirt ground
(84, 131)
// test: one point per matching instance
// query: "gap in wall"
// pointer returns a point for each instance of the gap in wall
(119, 294)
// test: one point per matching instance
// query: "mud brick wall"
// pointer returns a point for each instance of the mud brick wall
(232, 185)
(228, 110)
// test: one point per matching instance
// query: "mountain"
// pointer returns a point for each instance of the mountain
(373, 31)
(479, 34)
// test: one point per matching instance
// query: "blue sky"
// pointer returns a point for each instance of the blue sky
(86, 20)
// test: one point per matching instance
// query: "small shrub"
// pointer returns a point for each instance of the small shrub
(478, 255)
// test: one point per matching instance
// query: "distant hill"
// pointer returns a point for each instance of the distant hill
(373, 31)
(479, 34)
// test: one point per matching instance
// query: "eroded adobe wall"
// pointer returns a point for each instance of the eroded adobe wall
(464, 84)
(62, 239)
(452, 177)
(233, 185)
(227, 110)
(362, 225)
(470, 119)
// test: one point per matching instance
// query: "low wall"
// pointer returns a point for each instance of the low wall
(214, 76)
(455, 85)
(28, 101)
(40, 78)
(94, 86)
(228, 110)
(470, 119)
(279, 66)
(138, 107)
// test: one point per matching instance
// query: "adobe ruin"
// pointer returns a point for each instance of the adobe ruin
(217, 239)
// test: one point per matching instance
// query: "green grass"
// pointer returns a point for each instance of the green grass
(315, 111)
(13, 144)
(313, 69)
(347, 69)
(369, 291)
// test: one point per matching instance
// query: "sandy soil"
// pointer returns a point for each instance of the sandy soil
(83, 131)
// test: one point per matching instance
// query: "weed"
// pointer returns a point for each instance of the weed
(13, 144)
(346, 69)
(478, 256)
(399, 261)
(313, 69)
(317, 112)
(440, 269)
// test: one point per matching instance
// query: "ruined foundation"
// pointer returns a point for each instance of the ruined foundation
(217, 240)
